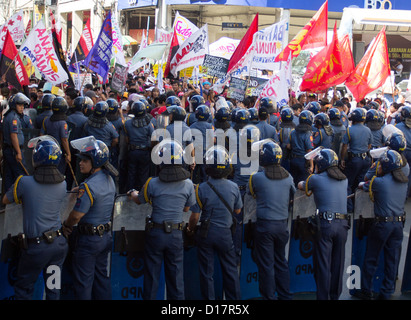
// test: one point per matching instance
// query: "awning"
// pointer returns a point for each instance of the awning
(128, 41)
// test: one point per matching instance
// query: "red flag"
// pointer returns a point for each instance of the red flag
(173, 49)
(373, 69)
(11, 66)
(325, 69)
(313, 35)
(244, 44)
(84, 45)
(347, 59)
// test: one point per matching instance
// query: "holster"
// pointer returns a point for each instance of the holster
(204, 228)
(189, 240)
(10, 248)
(314, 223)
(127, 241)
(249, 234)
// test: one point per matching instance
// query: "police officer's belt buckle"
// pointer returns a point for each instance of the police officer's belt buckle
(100, 229)
(329, 216)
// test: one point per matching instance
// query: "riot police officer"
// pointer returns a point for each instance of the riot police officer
(57, 127)
(42, 196)
(358, 138)
(138, 132)
(267, 131)
(301, 142)
(338, 127)
(329, 186)
(322, 132)
(314, 107)
(170, 194)
(221, 125)
(203, 139)
(388, 190)
(13, 140)
(194, 102)
(271, 106)
(98, 126)
(372, 121)
(286, 126)
(253, 115)
(115, 119)
(272, 189)
(45, 110)
(92, 213)
(218, 200)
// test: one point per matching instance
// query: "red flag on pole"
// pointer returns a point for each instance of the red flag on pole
(244, 44)
(313, 35)
(347, 58)
(11, 66)
(372, 70)
(173, 49)
(325, 69)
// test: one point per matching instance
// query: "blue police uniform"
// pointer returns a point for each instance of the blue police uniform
(301, 142)
(41, 213)
(386, 234)
(321, 138)
(106, 133)
(26, 122)
(344, 119)
(407, 153)
(273, 197)
(283, 141)
(358, 137)
(12, 169)
(339, 130)
(205, 130)
(267, 131)
(168, 200)
(219, 239)
(139, 142)
(186, 136)
(78, 119)
(40, 118)
(114, 152)
(329, 248)
(92, 237)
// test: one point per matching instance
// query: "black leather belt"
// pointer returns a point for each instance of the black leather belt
(359, 155)
(90, 230)
(168, 226)
(390, 219)
(327, 215)
(46, 236)
(133, 147)
(293, 155)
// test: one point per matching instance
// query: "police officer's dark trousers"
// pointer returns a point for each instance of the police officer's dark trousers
(408, 157)
(12, 169)
(329, 257)
(298, 169)
(355, 170)
(138, 168)
(90, 258)
(219, 240)
(35, 259)
(161, 246)
(274, 276)
(383, 237)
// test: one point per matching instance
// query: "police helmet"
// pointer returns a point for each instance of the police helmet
(322, 119)
(306, 117)
(253, 114)
(230, 105)
(112, 105)
(222, 114)
(100, 109)
(202, 112)
(18, 98)
(250, 133)
(396, 141)
(286, 114)
(314, 107)
(390, 161)
(138, 108)
(217, 162)
(233, 113)
(196, 101)
(406, 112)
(88, 106)
(358, 115)
(372, 115)
(59, 105)
(269, 104)
(169, 152)
(173, 101)
(178, 112)
(270, 153)
(241, 116)
(47, 100)
(334, 113)
(92, 149)
(325, 159)
(46, 153)
(374, 105)
(79, 103)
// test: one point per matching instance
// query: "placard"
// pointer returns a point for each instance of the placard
(237, 89)
(216, 66)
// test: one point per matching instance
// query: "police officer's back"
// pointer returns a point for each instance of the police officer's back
(42, 196)
(170, 194)
(339, 129)
(272, 189)
(323, 132)
(214, 235)
(372, 121)
(92, 214)
(45, 110)
(286, 126)
(267, 131)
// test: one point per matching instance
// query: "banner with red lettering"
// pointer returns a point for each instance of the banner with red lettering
(38, 46)
(373, 69)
